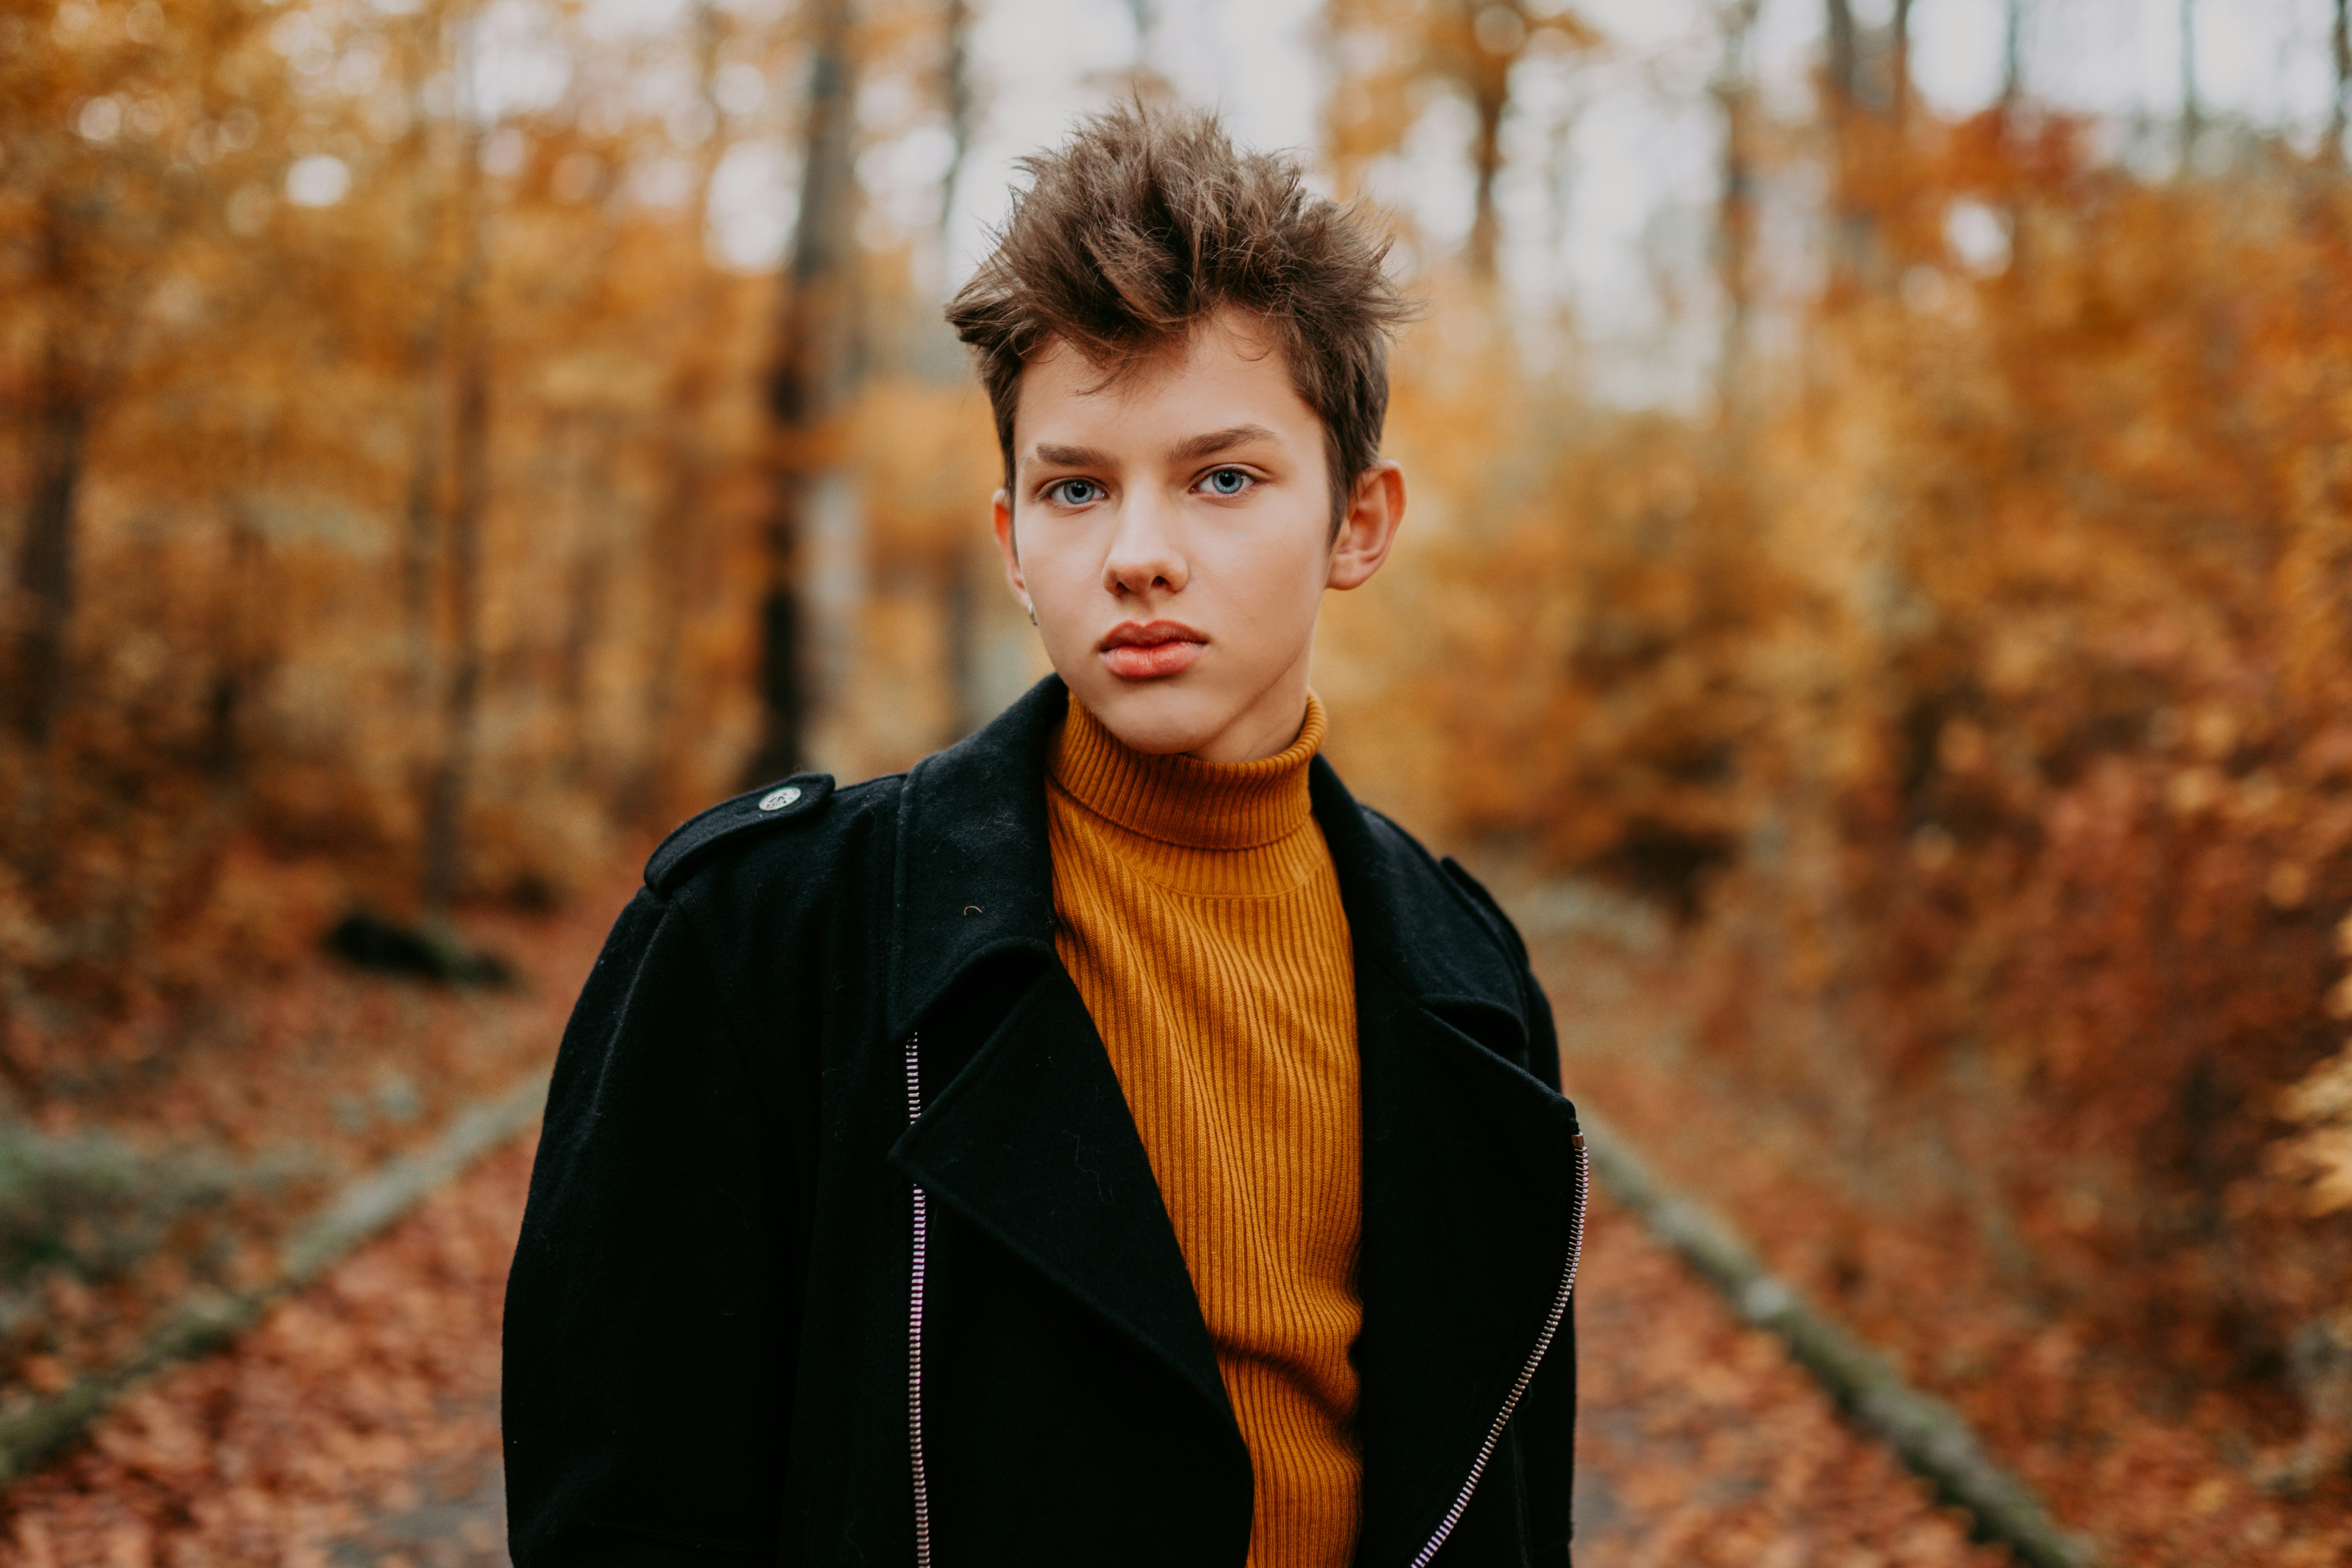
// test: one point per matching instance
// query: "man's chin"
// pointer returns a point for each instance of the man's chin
(1159, 717)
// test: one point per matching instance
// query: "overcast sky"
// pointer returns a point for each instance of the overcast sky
(1611, 165)
(1640, 163)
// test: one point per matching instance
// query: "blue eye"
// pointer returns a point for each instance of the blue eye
(1229, 482)
(1074, 492)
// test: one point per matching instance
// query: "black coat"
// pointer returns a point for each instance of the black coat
(709, 1320)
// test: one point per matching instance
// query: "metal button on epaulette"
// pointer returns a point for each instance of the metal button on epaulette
(777, 799)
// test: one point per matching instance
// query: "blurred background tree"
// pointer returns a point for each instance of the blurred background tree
(1880, 565)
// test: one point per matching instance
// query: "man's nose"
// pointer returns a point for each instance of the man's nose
(1145, 553)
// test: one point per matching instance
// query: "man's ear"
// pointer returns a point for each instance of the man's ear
(1375, 509)
(999, 507)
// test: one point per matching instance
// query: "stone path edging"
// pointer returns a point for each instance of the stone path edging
(362, 1210)
(1927, 1434)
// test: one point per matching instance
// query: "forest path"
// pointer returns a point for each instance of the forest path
(1700, 1443)
(357, 1427)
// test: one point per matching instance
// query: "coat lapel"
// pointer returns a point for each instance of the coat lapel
(1030, 1138)
(1469, 1169)
(1033, 1143)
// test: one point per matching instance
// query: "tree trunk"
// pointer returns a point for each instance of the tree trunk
(813, 370)
(1144, 15)
(44, 559)
(2012, 90)
(1853, 233)
(445, 876)
(2013, 55)
(1844, 61)
(2192, 113)
(420, 515)
(961, 616)
(2341, 109)
(45, 577)
(445, 798)
(584, 478)
(955, 90)
(960, 589)
(1898, 90)
(678, 534)
(1486, 159)
(1491, 55)
(241, 642)
(1735, 93)
(421, 508)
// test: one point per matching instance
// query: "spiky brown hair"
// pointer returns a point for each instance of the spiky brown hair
(1131, 233)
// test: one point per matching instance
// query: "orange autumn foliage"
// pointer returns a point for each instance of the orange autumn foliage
(1968, 686)
(315, 508)
(1975, 685)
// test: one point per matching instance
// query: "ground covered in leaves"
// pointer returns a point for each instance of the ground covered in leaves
(1699, 1443)
(2159, 1454)
(359, 1425)
(167, 1153)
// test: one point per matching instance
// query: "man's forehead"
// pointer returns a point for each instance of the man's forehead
(1216, 391)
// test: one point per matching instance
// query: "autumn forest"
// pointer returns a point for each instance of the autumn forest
(1903, 691)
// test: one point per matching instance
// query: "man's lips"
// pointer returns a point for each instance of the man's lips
(1148, 651)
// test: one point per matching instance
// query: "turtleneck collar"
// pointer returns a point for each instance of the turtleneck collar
(1182, 800)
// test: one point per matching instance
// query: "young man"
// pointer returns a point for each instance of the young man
(1108, 1142)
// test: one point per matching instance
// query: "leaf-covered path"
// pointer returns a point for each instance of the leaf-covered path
(1699, 1442)
(359, 1425)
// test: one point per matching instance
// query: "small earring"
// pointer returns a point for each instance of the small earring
(1033, 614)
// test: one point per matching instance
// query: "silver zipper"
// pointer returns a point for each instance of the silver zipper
(915, 1326)
(1527, 1374)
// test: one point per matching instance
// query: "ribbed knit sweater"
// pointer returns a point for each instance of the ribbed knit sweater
(1196, 907)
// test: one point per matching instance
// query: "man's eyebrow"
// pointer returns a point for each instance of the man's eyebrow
(1072, 457)
(1216, 441)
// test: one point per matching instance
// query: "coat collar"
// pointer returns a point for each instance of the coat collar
(974, 876)
(1467, 1158)
(974, 879)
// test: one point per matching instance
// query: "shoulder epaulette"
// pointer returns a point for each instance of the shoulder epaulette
(796, 799)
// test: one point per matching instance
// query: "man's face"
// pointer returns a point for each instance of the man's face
(1171, 531)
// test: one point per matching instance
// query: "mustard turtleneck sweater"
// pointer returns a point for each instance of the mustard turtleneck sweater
(1196, 907)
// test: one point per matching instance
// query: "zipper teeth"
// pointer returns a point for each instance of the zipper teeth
(915, 1326)
(1527, 1374)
